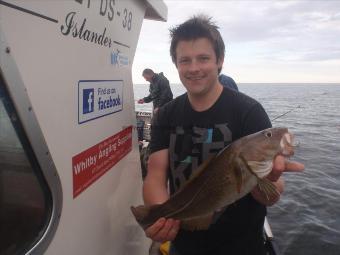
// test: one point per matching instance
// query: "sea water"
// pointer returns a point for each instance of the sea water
(306, 220)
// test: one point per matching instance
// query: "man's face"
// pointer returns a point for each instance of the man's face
(148, 77)
(197, 66)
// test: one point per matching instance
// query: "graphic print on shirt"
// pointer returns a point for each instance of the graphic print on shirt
(190, 147)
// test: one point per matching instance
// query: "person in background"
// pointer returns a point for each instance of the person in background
(195, 125)
(227, 81)
(160, 91)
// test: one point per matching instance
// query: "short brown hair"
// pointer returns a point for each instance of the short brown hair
(148, 71)
(199, 26)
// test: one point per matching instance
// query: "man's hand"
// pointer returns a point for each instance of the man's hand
(141, 101)
(163, 230)
(280, 165)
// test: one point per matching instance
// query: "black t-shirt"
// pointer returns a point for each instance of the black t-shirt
(191, 137)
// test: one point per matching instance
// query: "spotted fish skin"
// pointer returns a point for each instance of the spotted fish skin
(221, 180)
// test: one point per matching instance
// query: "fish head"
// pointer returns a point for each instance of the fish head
(259, 149)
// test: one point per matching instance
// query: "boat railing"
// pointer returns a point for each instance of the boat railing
(144, 125)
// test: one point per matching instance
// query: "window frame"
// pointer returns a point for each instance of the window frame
(27, 128)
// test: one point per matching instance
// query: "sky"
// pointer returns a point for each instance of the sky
(267, 41)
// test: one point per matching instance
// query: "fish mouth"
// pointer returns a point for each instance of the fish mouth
(287, 144)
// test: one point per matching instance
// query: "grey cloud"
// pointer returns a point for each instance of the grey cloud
(274, 27)
(321, 55)
(287, 30)
(276, 20)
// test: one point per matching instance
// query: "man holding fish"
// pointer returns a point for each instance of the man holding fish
(218, 198)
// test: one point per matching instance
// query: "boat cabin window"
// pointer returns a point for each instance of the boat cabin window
(25, 200)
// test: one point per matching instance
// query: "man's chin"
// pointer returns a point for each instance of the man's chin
(196, 91)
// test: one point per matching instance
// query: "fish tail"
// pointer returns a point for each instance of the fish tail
(140, 212)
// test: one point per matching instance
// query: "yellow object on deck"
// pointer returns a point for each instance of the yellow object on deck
(165, 248)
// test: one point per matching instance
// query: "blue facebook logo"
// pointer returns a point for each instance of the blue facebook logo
(88, 100)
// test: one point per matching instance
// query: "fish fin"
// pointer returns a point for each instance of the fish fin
(267, 188)
(197, 223)
(222, 150)
(202, 166)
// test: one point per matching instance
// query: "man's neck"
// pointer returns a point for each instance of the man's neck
(203, 102)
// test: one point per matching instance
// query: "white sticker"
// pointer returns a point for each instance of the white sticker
(98, 98)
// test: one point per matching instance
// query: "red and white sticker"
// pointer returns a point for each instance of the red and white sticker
(91, 164)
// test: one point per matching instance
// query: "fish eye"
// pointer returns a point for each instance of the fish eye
(268, 134)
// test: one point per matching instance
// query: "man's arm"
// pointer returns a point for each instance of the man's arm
(155, 192)
(147, 99)
(154, 92)
(155, 184)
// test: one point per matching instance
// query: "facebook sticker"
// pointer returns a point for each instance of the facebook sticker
(88, 101)
(99, 98)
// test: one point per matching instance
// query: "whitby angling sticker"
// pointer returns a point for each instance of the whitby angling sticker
(99, 98)
(89, 165)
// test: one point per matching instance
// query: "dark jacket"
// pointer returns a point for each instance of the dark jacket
(228, 82)
(160, 92)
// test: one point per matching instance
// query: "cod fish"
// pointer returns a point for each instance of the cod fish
(221, 180)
